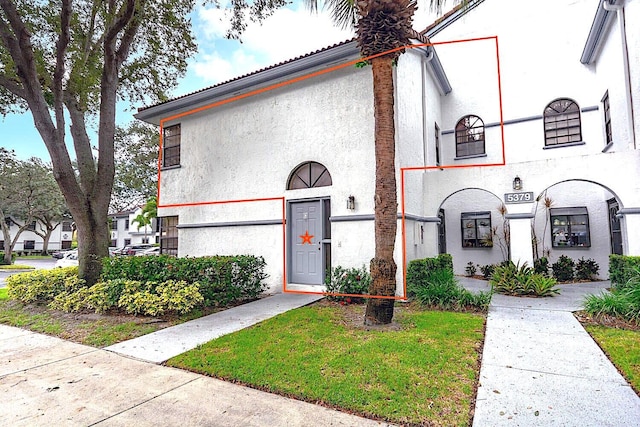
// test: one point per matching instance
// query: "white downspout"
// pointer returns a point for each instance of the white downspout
(619, 9)
(425, 128)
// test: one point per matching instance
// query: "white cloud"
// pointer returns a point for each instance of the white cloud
(284, 35)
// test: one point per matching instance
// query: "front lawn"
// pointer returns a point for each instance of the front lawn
(422, 370)
(623, 348)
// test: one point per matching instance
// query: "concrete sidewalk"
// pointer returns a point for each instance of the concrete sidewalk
(166, 343)
(46, 381)
(541, 368)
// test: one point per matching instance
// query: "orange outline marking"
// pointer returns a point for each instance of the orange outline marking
(402, 170)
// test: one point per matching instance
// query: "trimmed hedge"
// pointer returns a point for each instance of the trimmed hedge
(150, 285)
(222, 279)
(622, 268)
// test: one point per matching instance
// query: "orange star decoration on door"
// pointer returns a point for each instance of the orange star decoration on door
(306, 237)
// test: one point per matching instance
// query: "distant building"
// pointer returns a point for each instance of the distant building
(125, 231)
(29, 241)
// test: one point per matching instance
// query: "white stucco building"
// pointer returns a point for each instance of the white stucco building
(31, 240)
(126, 231)
(505, 109)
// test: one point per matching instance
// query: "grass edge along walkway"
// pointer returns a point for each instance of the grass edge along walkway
(622, 347)
(425, 370)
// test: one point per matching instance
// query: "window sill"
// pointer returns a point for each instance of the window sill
(568, 144)
(472, 156)
(607, 147)
(167, 168)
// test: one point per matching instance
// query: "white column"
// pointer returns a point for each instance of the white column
(521, 247)
(631, 229)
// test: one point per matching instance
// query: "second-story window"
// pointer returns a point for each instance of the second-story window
(562, 122)
(606, 107)
(171, 146)
(469, 136)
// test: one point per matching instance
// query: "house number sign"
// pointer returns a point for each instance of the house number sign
(518, 197)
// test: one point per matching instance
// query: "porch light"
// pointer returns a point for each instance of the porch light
(517, 183)
(351, 203)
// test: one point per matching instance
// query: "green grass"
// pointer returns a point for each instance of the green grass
(424, 372)
(35, 257)
(16, 267)
(42, 323)
(623, 348)
(101, 332)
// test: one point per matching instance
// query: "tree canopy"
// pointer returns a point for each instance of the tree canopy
(136, 161)
(69, 61)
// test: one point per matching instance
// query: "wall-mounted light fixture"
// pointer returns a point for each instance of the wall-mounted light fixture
(351, 203)
(517, 183)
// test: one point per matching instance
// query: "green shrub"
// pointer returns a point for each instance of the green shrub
(222, 279)
(541, 286)
(470, 269)
(541, 266)
(72, 301)
(487, 271)
(180, 297)
(104, 296)
(563, 269)
(354, 281)
(586, 269)
(152, 299)
(622, 268)
(419, 271)
(141, 302)
(442, 290)
(41, 285)
(623, 300)
(521, 280)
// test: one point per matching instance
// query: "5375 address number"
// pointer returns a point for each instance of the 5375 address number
(518, 197)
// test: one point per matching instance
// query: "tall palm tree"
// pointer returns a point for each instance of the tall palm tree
(381, 26)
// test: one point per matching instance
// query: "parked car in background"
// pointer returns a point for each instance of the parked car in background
(61, 253)
(154, 250)
(134, 249)
(70, 259)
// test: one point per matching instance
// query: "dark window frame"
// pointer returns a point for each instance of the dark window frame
(28, 245)
(309, 175)
(570, 227)
(476, 231)
(606, 108)
(171, 141)
(67, 226)
(436, 131)
(169, 235)
(562, 123)
(470, 136)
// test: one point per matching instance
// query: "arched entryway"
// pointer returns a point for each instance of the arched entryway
(473, 228)
(578, 219)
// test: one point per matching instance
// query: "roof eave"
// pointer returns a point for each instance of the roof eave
(601, 23)
(288, 70)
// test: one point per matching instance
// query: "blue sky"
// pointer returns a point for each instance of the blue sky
(290, 32)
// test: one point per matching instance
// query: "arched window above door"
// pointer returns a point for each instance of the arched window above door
(309, 175)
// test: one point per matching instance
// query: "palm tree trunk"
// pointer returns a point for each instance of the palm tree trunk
(383, 267)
